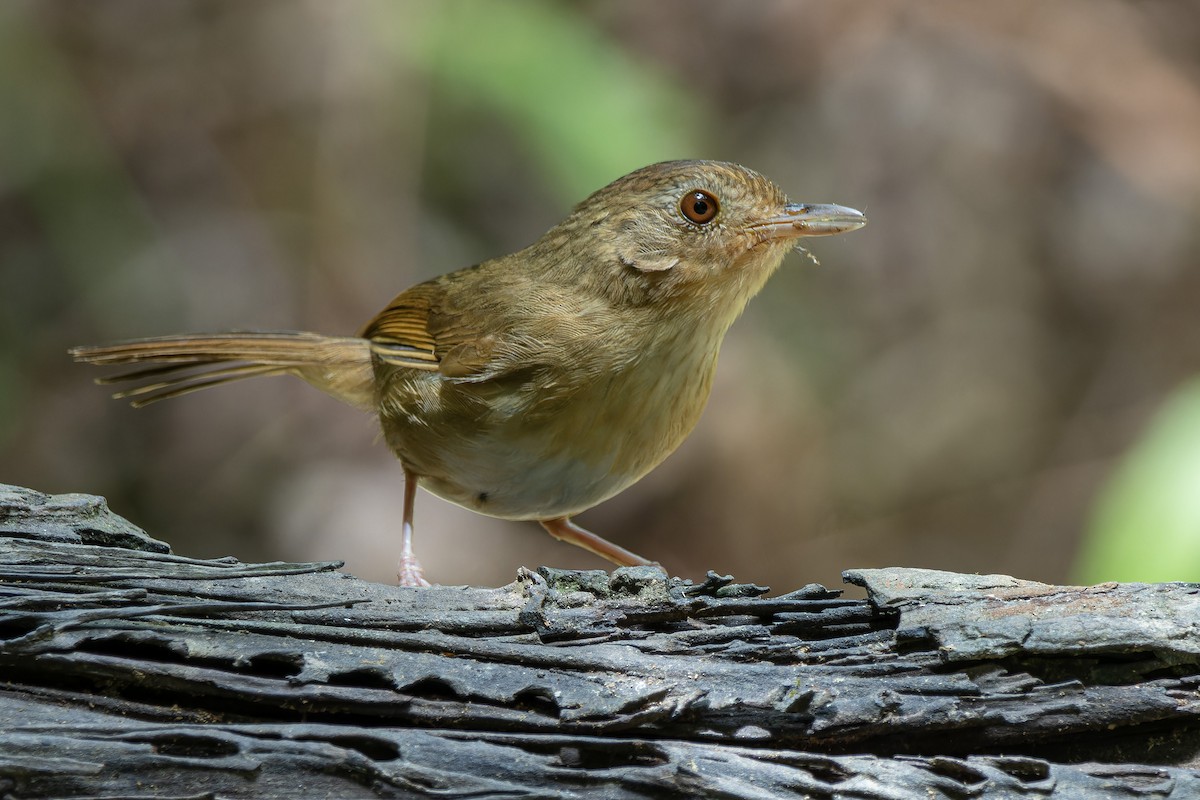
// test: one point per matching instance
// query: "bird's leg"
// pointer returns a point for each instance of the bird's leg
(564, 530)
(410, 572)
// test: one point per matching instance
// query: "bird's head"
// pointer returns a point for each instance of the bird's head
(702, 235)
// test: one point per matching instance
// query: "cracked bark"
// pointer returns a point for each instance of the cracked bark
(129, 671)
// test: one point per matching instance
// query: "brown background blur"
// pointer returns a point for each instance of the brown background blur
(953, 387)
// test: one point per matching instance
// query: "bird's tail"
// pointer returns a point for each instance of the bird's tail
(340, 366)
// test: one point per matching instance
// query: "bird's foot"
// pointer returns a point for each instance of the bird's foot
(410, 572)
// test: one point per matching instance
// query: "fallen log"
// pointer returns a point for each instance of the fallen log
(126, 670)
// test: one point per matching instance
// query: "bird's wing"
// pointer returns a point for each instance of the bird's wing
(399, 334)
(422, 329)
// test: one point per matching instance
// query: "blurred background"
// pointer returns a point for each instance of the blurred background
(1001, 373)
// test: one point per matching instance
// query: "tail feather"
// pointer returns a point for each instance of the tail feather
(177, 382)
(280, 348)
(340, 366)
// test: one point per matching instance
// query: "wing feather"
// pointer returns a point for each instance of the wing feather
(399, 335)
(421, 329)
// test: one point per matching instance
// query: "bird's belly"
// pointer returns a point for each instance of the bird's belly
(520, 460)
(525, 484)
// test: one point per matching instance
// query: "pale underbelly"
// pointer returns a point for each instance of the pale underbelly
(528, 486)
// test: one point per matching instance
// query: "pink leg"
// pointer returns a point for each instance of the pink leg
(410, 572)
(564, 530)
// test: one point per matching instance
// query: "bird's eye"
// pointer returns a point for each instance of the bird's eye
(699, 207)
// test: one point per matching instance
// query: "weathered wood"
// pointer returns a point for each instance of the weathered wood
(130, 671)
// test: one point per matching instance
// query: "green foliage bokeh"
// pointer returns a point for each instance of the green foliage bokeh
(1146, 525)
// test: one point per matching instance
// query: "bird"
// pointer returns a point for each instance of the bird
(535, 385)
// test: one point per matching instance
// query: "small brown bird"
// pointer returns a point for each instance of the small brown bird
(536, 385)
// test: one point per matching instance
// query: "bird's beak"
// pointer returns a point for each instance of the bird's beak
(804, 219)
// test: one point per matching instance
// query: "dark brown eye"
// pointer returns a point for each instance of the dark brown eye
(699, 206)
